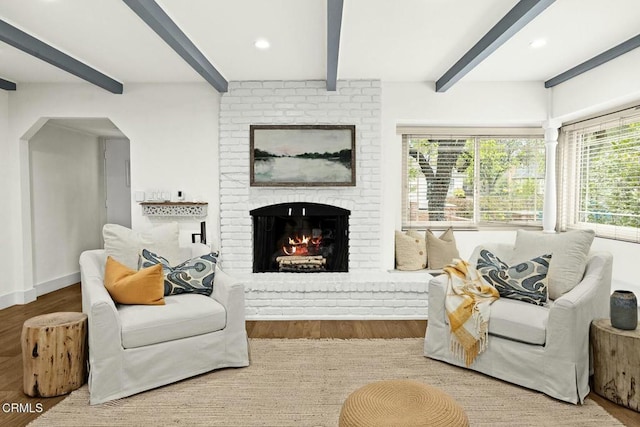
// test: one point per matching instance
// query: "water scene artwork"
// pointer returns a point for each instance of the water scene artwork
(302, 155)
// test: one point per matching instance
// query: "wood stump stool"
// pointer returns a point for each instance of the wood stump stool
(616, 363)
(401, 403)
(54, 352)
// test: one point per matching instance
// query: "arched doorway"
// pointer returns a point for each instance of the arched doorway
(78, 180)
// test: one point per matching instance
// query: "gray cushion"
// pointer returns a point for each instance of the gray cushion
(519, 321)
(194, 276)
(124, 244)
(182, 316)
(569, 250)
(525, 281)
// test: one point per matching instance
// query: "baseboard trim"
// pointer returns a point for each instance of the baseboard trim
(18, 297)
(59, 283)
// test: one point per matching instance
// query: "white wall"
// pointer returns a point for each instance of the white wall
(173, 129)
(465, 104)
(610, 85)
(9, 189)
(117, 185)
(67, 202)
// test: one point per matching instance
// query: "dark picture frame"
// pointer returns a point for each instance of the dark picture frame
(302, 155)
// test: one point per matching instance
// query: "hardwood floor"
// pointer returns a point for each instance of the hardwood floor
(11, 320)
(316, 329)
(69, 299)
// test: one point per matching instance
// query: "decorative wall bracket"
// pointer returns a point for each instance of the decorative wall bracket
(192, 209)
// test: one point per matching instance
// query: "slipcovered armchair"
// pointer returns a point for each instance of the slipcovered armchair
(133, 348)
(545, 348)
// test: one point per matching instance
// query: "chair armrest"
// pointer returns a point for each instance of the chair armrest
(103, 318)
(570, 315)
(230, 293)
(436, 295)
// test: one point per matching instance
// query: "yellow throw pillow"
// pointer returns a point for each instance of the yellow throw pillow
(128, 286)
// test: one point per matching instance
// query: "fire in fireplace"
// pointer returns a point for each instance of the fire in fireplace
(300, 238)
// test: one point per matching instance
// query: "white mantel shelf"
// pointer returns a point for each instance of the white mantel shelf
(175, 209)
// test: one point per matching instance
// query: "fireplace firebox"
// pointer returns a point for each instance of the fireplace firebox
(300, 238)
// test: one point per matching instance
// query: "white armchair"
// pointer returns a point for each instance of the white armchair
(545, 348)
(133, 348)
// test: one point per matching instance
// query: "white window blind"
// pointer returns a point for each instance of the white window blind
(469, 180)
(601, 175)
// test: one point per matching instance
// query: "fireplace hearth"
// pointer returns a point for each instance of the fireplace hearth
(300, 238)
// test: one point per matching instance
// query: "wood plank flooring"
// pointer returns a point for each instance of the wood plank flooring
(69, 299)
(11, 320)
(340, 329)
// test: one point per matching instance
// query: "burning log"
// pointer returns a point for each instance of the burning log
(301, 260)
(293, 263)
(301, 268)
(302, 246)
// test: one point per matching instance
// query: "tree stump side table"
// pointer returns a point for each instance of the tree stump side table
(54, 353)
(616, 363)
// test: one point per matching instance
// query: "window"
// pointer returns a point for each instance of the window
(471, 180)
(601, 175)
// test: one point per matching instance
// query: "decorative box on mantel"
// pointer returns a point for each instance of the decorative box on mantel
(192, 209)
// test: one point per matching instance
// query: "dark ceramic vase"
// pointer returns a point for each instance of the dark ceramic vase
(623, 310)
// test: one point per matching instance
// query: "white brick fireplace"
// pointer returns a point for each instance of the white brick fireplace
(366, 291)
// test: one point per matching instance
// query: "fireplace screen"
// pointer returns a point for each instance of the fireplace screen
(300, 238)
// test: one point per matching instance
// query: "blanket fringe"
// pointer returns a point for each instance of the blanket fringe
(468, 356)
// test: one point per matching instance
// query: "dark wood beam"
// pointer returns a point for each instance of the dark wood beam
(156, 18)
(594, 62)
(334, 25)
(521, 14)
(31, 45)
(7, 85)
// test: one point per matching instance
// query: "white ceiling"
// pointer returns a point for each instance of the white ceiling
(402, 40)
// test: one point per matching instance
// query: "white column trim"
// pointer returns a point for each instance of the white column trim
(550, 207)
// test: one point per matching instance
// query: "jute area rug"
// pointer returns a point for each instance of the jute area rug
(305, 382)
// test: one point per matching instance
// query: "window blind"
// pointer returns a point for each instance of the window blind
(601, 175)
(461, 180)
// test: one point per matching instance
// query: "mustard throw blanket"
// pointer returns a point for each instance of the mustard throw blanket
(467, 305)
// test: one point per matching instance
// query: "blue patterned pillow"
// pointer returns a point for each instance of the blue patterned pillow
(194, 276)
(526, 281)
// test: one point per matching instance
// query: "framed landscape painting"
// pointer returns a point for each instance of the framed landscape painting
(303, 155)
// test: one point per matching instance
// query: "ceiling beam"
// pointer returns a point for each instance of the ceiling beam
(334, 24)
(156, 18)
(7, 85)
(31, 45)
(594, 62)
(521, 14)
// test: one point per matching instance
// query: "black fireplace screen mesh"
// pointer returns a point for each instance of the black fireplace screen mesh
(301, 238)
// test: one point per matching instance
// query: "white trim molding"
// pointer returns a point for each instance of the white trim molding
(550, 207)
(58, 283)
(17, 297)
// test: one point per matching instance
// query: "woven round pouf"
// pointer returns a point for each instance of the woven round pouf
(401, 403)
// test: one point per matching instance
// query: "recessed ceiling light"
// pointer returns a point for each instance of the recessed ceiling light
(537, 43)
(262, 44)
